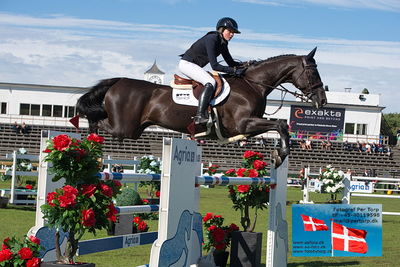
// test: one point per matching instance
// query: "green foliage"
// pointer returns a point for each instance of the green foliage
(393, 121)
(365, 91)
(16, 253)
(150, 165)
(128, 197)
(332, 181)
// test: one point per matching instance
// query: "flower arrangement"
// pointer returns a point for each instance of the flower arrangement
(150, 165)
(332, 181)
(218, 236)
(246, 197)
(20, 254)
(139, 225)
(85, 202)
(21, 165)
(211, 170)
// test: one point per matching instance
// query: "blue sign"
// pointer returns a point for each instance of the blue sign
(328, 230)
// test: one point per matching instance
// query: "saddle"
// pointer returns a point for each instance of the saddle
(183, 83)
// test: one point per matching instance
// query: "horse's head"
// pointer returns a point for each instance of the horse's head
(307, 79)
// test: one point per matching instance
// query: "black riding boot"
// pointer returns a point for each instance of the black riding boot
(205, 98)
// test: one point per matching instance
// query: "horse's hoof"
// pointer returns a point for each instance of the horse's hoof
(276, 159)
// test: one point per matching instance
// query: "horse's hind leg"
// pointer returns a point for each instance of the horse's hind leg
(254, 126)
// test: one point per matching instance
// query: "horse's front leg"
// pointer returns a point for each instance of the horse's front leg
(255, 126)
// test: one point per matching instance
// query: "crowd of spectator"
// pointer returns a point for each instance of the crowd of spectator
(21, 129)
(364, 147)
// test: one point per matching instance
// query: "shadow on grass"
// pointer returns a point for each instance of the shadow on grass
(321, 263)
(20, 207)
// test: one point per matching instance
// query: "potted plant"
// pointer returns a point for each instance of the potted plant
(84, 203)
(150, 165)
(127, 197)
(246, 245)
(332, 182)
(218, 237)
(18, 253)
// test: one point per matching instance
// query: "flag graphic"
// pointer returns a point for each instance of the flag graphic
(348, 239)
(313, 224)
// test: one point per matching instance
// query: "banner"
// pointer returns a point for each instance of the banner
(309, 119)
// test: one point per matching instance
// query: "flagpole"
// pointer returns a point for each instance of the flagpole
(331, 238)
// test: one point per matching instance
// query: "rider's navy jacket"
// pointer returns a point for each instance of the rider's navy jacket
(207, 49)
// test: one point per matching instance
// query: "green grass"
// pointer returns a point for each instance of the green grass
(18, 220)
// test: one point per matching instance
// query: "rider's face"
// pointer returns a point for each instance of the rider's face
(228, 34)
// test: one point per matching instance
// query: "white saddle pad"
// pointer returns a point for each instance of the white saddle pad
(186, 97)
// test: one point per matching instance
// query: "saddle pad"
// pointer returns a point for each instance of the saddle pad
(186, 97)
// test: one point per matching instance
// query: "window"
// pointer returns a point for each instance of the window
(69, 112)
(35, 110)
(349, 128)
(57, 111)
(361, 129)
(3, 109)
(46, 110)
(24, 109)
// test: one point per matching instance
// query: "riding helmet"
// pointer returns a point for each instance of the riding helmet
(228, 23)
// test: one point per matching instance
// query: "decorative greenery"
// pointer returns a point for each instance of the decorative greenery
(332, 181)
(16, 253)
(150, 165)
(217, 235)
(85, 202)
(246, 197)
(128, 197)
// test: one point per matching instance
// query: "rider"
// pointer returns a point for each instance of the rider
(204, 51)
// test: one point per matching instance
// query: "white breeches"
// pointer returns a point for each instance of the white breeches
(195, 72)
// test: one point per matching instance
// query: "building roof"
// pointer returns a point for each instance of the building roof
(154, 69)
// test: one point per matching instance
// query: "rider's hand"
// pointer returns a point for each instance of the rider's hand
(248, 63)
(239, 72)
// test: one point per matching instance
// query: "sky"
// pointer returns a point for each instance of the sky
(77, 43)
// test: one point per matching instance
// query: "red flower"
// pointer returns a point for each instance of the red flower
(95, 138)
(50, 197)
(230, 172)
(248, 154)
(34, 239)
(208, 216)
(29, 187)
(240, 172)
(218, 234)
(231, 191)
(5, 255)
(62, 142)
(157, 193)
(80, 153)
(145, 201)
(46, 150)
(68, 189)
(117, 184)
(142, 226)
(88, 189)
(34, 262)
(243, 188)
(4, 246)
(112, 211)
(137, 220)
(220, 246)
(67, 200)
(233, 227)
(259, 164)
(212, 228)
(106, 190)
(88, 218)
(253, 173)
(25, 253)
(259, 155)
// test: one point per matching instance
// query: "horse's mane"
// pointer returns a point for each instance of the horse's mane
(275, 58)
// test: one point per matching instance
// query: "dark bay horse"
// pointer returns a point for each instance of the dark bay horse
(125, 107)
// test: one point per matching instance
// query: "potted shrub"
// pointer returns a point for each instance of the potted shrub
(246, 244)
(84, 203)
(332, 182)
(3, 202)
(150, 165)
(123, 225)
(218, 237)
(18, 253)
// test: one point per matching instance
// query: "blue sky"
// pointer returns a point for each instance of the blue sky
(77, 43)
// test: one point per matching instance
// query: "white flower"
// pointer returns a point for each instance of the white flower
(151, 157)
(22, 150)
(328, 189)
(335, 175)
(144, 157)
(29, 167)
(154, 163)
(147, 171)
(341, 173)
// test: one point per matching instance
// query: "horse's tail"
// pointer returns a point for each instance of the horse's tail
(90, 105)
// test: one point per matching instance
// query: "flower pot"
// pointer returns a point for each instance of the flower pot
(55, 264)
(3, 202)
(246, 249)
(220, 257)
(122, 226)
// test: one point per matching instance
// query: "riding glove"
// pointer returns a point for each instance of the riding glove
(239, 72)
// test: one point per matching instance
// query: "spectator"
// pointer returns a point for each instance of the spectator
(328, 145)
(368, 148)
(308, 144)
(359, 146)
(302, 144)
(25, 129)
(16, 128)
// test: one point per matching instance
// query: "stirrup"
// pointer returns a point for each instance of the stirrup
(198, 119)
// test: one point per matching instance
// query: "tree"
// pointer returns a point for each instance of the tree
(365, 91)
(393, 121)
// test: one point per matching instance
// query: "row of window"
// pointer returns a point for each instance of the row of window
(355, 128)
(42, 110)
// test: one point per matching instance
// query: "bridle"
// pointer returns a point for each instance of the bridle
(305, 96)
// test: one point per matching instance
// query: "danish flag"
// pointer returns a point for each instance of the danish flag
(312, 224)
(348, 239)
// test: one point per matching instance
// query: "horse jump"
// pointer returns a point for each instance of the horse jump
(179, 238)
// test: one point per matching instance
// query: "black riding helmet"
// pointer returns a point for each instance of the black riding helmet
(228, 23)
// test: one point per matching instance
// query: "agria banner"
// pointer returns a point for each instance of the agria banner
(325, 120)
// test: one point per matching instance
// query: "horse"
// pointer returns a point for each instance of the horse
(124, 107)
